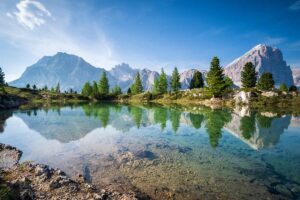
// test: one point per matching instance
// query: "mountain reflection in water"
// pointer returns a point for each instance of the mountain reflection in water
(164, 152)
(67, 124)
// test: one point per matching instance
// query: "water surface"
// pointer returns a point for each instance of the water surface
(164, 152)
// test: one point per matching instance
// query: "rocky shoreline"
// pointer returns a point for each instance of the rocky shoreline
(38, 181)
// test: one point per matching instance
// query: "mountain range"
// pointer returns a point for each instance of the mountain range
(72, 71)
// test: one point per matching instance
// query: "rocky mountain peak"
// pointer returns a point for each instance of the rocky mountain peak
(266, 59)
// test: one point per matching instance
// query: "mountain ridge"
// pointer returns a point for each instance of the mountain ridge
(72, 71)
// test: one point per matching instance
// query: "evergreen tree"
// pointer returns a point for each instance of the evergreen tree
(228, 82)
(103, 85)
(266, 81)
(175, 80)
(156, 89)
(2, 77)
(197, 80)
(87, 89)
(137, 86)
(95, 90)
(117, 90)
(215, 78)
(163, 82)
(129, 91)
(248, 76)
(28, 86)
(293, 88)
(283, 87)
(57, 89)
(34, 87)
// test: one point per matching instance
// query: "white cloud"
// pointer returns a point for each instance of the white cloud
(295, 6)
(30, 13)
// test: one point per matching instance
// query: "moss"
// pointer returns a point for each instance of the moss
(6, 193)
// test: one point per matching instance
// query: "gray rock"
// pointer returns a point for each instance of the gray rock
(54, 184)
(9, 156)
(269, 94)
(243, 97)
(296, 76)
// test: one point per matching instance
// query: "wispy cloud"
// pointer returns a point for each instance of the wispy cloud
(295, 5)
(274, 40)
(30, 14)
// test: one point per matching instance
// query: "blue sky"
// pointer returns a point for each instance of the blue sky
(145, 34)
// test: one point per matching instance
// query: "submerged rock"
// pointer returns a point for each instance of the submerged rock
(141, 154)
(37, 181)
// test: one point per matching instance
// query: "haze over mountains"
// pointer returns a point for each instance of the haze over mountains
(72, 71)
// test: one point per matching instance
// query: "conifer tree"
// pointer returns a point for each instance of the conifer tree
(103, 85)
(283, 87)
(215, 78)
(117, 90)
(87, 89)
(197, 80)
(266, 81)
(248, 76)
(163, 82)
(129, 91)
(137, 86)
(95, 91)
(2, 77)
(57, 89)
(293, 88)
(156, 89)
(175, 80)
(27, 86)
(34, 87)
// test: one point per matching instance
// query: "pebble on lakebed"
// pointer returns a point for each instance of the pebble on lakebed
(37, 181)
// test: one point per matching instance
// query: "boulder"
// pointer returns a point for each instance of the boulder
(243, 97)
(269, 94)
(9, 156)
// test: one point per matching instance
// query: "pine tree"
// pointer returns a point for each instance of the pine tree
(175, 80)
(228, 82)
(215, 78)
(137, 85)
(248, 76)
(103, 85)
(95, 91)
(163, 82)
(87, 89)
(266, 81)
(57, 89)
(283, 87)
(197, 80)
(28, 86)
(156, 89)
(2, 77)
(117, 90)
(34, 87)
(293, 88)
(129, 91)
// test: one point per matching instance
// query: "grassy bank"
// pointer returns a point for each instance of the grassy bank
(194, 97)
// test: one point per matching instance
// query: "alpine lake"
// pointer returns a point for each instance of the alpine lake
(164, 152)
